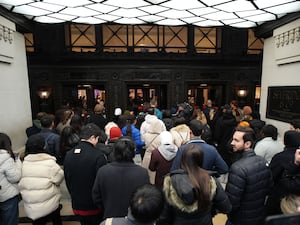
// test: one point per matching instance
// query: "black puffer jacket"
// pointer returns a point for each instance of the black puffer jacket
(181, 206)
(283, 163)
(248, 184)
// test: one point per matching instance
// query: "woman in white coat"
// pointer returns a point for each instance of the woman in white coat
(10, 174)
(40, 183)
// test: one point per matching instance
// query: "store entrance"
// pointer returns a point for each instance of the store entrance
(83, 95)
(141, 94)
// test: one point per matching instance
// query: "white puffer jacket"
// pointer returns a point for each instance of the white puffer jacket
(39, 185)
(10, 174)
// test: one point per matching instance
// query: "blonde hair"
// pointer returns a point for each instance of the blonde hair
(289, 204)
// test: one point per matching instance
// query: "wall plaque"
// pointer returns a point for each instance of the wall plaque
(283, 103)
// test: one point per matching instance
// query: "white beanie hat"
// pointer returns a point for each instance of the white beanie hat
(118, 111)
(166, 138)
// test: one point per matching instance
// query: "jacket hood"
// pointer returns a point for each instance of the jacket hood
(149, 118)
(181, 128)
(156, 127)
(179, 191)
(3, 156)
(168, 151)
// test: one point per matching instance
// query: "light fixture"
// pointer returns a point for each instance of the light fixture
(43, 93)
(242, 93)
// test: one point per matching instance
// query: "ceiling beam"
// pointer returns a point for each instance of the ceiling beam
(266, 29)
(23, 24)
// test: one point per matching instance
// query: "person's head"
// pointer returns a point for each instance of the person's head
(35, 144)
(295, 125)
(290, 204)
(99, 108)
(47, 122)
(191, 162)
(196, 127)
(76, 122)
(5, 144)
(209, 103)
(124, 149)
(146, 203)
(90, 132)
(269, 131)
(243, 139)
(150, 111)
(192, 157)
(247, 111)
(115, 133)
(291, 139)
(118, 112)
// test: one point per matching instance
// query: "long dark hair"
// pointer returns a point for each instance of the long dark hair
(191, 162)
(5, 143)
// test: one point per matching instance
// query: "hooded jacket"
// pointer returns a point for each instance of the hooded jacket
(182, 206)
(10, 174)
(181, 134)
(161, 162)
(281, 163)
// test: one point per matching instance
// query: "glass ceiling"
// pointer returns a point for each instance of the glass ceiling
(235, 13)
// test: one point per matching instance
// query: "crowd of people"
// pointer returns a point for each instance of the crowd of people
(152, 167)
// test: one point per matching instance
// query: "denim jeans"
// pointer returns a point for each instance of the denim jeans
(9, 211)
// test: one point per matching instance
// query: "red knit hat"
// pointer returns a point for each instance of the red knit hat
(115, 133)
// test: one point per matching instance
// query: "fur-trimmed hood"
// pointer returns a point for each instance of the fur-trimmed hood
(179, 191)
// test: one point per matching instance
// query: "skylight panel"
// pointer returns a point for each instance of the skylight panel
(171, 22)
(261, 17)
(153, 9)
(265, 4)
(130, 13)
(209, 23)
(214, 2)
(108, 17)
(89, 20)
(127, 4)
(16, 2)
(47, 19)
(203, 11)
(246, 24)
(43, 5)
(174, 14)
(192, 20)
(80, 11)
(62, 16)
(220, 16)
(129, 21)
(234, 6)
(69, 3)
(151, 18)
(29, 10)
(101, 8)
(182, 5)
(249, 13)
(286, 8)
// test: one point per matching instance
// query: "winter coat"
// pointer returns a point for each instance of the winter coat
(182, 206)
(212, 159)
(161, 162)
(152, 141)
(114, 185)
(80, 167)
(10, 174)
(181, 134)
(40, 185)
(249, 182)
(267, 148)
(149, 119)
(136, 136)
(280, 163)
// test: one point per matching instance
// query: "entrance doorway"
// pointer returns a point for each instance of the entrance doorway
(140, 94)
(83, 95)
(199, 94)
